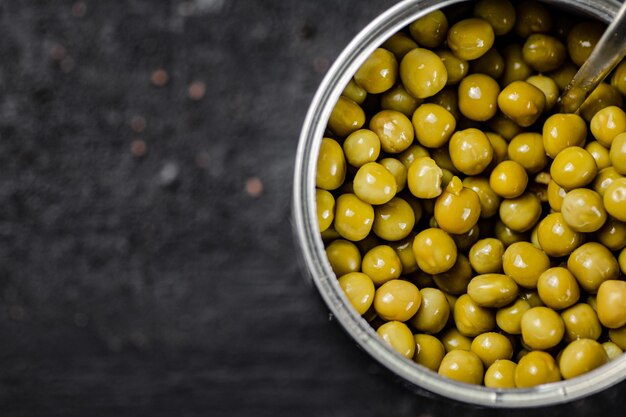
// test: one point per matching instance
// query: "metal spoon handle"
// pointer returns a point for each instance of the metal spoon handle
(609, 51)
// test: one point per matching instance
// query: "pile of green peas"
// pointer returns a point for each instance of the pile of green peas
(480, 232)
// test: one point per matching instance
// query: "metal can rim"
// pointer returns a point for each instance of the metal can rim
(311, 248)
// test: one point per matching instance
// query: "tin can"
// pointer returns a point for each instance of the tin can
(311, 248)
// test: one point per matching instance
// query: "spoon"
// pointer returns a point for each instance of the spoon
(609, 51)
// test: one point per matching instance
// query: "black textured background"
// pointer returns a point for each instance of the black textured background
(146, 259)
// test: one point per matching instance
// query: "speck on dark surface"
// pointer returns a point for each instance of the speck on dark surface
(149, 270)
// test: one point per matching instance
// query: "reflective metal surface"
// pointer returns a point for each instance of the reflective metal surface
(312, 252)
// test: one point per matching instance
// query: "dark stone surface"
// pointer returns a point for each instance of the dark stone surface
(161, 284)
